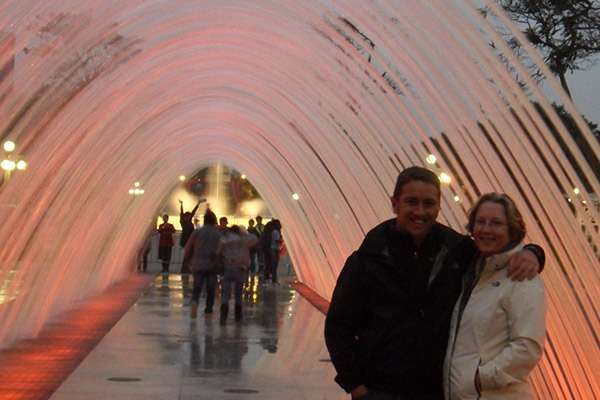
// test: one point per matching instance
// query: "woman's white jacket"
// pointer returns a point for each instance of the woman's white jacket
(498, 330)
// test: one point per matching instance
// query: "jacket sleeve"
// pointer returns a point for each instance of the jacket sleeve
(526, 311)
(344, 319)
(539, 253)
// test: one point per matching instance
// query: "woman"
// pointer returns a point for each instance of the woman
(497, 331)
(187, 227)
(234, 248)
(200, 257)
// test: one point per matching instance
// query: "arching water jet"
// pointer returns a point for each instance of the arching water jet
(327, 99)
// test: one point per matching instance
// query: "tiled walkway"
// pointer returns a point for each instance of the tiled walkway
(157, 352)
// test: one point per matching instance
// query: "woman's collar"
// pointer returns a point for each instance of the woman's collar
(500, 260)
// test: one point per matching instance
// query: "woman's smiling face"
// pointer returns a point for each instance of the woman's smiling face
(490, 230)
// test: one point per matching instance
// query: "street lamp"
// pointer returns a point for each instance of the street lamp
(445, 178)
(136, 190)
(11, 161)
(431, 159)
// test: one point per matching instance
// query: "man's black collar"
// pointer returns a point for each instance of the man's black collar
(379, 237)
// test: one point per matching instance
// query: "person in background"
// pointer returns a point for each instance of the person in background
(260, 256)
(497, 329)
(265, 248)
(274, 249)
(200, 256)
(253, 231)
(388, 322)
(165, 243)
(145, 250)
(223, 222)
(260, 228)
(187, 227)
(234, 248)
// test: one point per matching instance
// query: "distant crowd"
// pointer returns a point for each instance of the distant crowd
(218, 250)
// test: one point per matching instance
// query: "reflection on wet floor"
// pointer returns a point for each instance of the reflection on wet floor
(275, 352)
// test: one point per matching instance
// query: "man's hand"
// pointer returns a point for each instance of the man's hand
(180, 202)
(359, 391)
(523, 265)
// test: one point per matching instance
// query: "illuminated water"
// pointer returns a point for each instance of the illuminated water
(328, 99)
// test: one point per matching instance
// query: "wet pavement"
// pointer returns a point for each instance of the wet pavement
(157, 352)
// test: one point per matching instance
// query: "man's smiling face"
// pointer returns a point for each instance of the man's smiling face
(416, 208)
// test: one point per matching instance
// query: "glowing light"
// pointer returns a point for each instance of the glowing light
(21, 165)
(9, 146)
(445, 178)
(243, 176)
(431, 159)
(136, 190)
(576, 190)
(295, 196)
(182, 178)
(456, 199)
(8, 165)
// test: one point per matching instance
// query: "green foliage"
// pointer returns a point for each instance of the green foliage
(567, 32)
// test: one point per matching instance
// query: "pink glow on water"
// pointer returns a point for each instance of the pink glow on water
(328, 99)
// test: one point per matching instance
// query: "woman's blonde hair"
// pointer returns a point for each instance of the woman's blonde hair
(516, 225)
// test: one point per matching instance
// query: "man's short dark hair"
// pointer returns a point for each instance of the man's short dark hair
(210, 218)
(416, 174)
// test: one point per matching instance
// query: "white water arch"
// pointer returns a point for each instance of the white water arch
(329, 99)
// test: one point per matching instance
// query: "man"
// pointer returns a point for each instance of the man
(388, 322)
(272, 261)
(260, 228)
(165, 243)
(200, 256)
(253, 231)
(145, 251)
(223, 222)
(260, 256)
